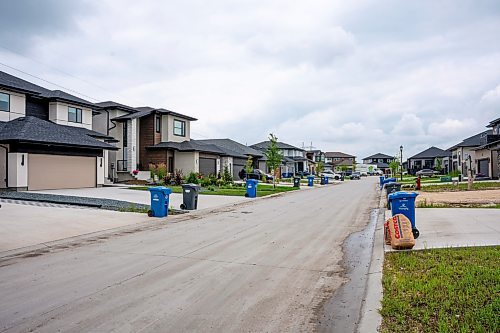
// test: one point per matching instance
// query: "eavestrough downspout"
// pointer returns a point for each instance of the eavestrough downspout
(6, 165)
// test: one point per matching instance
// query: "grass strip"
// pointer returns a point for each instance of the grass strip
(442, 290)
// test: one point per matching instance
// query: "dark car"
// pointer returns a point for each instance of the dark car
(355, 175)
(259, 175)
(480, 176)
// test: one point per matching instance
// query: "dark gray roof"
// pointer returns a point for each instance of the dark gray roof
(232, 146)
(493, 122)
(12, 82)
(114, 105)
(338, 154)
(431, 152)
(473, 141)
(35, 130)
(188, 146)
(281, 145)
(146, 110)
(378, 155)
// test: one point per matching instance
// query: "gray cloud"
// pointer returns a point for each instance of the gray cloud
(363, 76)
(24, 20)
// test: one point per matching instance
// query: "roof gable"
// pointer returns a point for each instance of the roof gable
(281, 145)
(36, 130)
(379, 155)
(431, 152)
(232, 147)
(334, 154)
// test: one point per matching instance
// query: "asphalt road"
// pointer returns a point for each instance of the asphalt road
(266, 266)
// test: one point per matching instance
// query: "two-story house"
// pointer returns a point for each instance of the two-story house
(294, 159)
(432, 158)
(487, 154)
(315, 157)
(46, 138)
(152, 136)
(381, 160)
(463, 154)
(340, 160)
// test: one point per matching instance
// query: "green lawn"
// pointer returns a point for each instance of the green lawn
(461, 187)
(442, 290)
(262, 190)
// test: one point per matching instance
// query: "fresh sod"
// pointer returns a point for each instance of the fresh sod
(262, 190)
(442, 290)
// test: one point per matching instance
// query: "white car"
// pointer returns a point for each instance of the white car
(330, 174)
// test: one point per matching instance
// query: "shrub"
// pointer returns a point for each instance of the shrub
(205, 182)
(178, 177)
(226, 175)
(213, 179)
(454, 173)
(192, 178)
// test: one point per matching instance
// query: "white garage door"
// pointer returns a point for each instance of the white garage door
(48, 172)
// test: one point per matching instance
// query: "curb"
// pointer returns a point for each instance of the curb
(371, 319)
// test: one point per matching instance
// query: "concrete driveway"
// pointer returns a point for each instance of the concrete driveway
(35, 223)
(143, 197)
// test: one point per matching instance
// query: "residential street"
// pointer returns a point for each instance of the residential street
(264, 266)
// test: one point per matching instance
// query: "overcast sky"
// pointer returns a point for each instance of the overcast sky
(355, 76)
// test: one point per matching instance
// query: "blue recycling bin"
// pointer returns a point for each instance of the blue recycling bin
(251, 186)
(310, 180)
(160, 197)
(381, 181)
(404, 203)
(389, 180)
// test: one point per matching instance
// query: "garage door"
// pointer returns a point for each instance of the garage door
(238, 164)
(483, 167)
(208, 166)
(55, 171)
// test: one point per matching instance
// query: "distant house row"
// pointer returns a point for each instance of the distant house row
(480, 153)
(50, 139)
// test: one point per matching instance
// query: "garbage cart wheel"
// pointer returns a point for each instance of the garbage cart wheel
(150, 213)
(183, 206)
(246, 195)
(415, 232)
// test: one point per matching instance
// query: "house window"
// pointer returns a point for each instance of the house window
(4, 102)
(125, 134)
(158, 124)
(179, 127)
(74, 115)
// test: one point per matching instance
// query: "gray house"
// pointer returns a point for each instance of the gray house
(461, 152)
(294, 159)
(431, 158)
(46, 138)
(381, 160)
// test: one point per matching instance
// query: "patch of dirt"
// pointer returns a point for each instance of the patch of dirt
(462, 197)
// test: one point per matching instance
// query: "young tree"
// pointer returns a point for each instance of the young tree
(273, 155)
(320, 167)
(394, 166)
(249, 165)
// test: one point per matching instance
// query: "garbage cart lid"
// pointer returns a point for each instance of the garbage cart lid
(156, 188)
(402, 195)
(194, 186)
(166, 190)
(391, 184)
(255, 181)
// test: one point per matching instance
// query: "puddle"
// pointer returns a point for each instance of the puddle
(341, 313)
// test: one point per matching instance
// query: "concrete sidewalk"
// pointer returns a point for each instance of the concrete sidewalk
(455, 227)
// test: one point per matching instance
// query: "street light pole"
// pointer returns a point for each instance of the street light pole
(401, 156)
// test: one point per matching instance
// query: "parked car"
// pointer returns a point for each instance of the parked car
(481, 176)
(427, 172)
(258, 174)
(363, 174)
(330, 174)
(356, 175)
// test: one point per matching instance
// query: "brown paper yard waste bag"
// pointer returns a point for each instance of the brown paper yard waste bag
(387, 232)
(400, 230)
